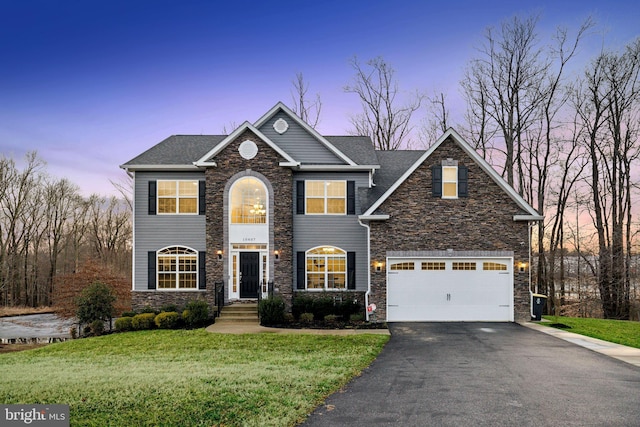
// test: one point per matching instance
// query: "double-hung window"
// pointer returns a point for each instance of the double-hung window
(449, 182)
(326, 197)
(178, 197)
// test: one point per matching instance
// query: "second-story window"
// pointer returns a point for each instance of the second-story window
(178, 197)
(326, 197)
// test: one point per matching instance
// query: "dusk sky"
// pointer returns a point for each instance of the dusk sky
(91, 84)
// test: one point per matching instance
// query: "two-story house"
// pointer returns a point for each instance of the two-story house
(434, 234)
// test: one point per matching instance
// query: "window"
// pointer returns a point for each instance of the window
(464, 266)
(402, 266)
(177, 268)
(178, 197)
(326, 268)
(494, 266)
(433, 265)
(326, 197)
(449, 182)
(248, 202)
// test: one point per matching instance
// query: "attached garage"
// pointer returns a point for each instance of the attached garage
(449, 289)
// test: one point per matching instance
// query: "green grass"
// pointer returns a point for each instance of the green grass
(187, 378)
(618, 331)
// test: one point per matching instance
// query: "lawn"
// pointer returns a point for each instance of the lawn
(187, 378)
(618, 331)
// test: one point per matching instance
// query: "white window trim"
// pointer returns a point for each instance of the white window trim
(449, 182)
(177, 272)
(325, 197)
(326, 272)
(177, 197)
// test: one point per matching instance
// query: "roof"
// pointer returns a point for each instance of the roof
(177, 150)
(358, 148)
(531, 214)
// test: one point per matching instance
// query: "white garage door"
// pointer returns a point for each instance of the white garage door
(449, 289)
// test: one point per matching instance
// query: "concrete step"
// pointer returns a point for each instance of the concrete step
(239, 313)
(230, 319)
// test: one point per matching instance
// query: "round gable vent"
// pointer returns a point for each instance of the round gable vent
(248, 149)
(281, 126)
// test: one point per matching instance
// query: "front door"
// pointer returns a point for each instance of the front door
(249, 274)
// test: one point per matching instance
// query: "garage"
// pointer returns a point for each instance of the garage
(449, 289)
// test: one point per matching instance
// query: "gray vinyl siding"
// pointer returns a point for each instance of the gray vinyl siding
(342, 231)
(298, 143)
(154, 232)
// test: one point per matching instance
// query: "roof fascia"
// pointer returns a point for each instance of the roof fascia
(236, 133)
(280, 106)
(159, 167)
(476, 158)
(337, 168)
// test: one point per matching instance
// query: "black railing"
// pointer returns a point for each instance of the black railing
(219, 287)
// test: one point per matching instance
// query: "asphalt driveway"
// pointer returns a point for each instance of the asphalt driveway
(485, 374)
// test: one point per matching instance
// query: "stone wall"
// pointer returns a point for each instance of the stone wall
(419, 222)
(157, 299)
(230, 165)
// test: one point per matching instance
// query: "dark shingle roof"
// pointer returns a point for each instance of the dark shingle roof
(357, 148)
(392, 165)
(177, 150)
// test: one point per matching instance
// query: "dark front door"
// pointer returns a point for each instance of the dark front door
(249, 274)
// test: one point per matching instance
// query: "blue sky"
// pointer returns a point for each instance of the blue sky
(91, 84)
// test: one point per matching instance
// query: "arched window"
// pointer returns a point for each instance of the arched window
(326, 268)
(248, 202)
(177, 268)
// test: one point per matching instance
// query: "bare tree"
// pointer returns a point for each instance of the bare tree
(608, 101)
(384, 117)
(307, 110)
(437, 121)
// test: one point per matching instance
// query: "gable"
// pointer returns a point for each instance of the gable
(298, 142)
(451, 140)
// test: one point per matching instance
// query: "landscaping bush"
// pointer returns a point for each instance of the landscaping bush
(271, 311)
(128, 314)
(143, 321)
(96, 328)
(196, 313)
(167, 320)
(306, 318)
(169, 308)
(346, 308)
(124, 324)
(95, 303)
(356, 317)
(148, 309)
(330, 319)
(322, 307)
(301, 304)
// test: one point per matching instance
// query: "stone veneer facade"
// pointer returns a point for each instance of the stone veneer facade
(230, 167)
(483, 221)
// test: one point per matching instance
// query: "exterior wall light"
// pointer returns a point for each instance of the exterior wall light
(276, 253)
(219, 253)
(378, 266)
(522, 267)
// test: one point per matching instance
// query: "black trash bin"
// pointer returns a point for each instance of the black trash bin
(538, 302)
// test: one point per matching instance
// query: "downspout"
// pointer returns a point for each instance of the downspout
(530, 227)
(366, 294)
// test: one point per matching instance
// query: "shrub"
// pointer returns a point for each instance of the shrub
(322, 307)
(143, 321)
(167, 320)
(288, 318)
(124, 324)
(97, 328)
(301, 304)
(271, 311)
(356, 317)
(128, 314)
(347, 308)
(169, 308)
(148, 309)
(330, 318)
(196, 313)
(95, 303)
(306, 318)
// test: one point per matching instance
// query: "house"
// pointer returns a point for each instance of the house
(433, 235)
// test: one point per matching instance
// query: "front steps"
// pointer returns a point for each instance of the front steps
(245, 313)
